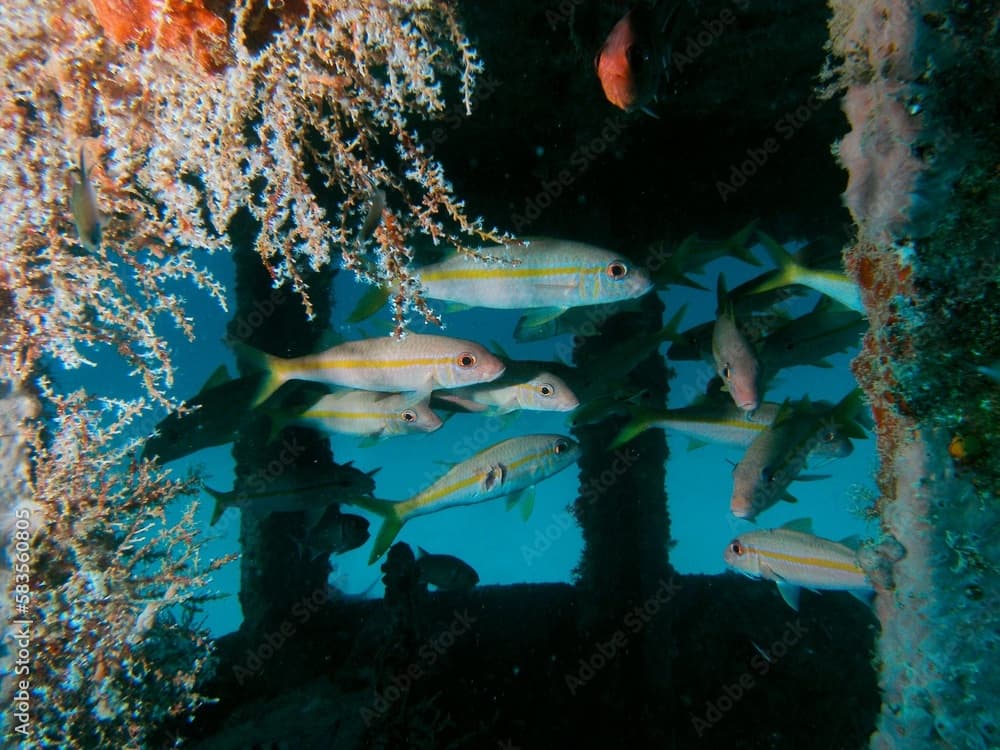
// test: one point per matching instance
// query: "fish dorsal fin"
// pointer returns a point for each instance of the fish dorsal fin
(811, 477)
(851, 542)
(804, 525)
(498, 350)
(421, 552)
(723, 305)
(219, 376)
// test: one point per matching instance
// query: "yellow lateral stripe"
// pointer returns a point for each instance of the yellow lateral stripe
(347, 414)
(817, 562)
(504, 272)
(461, 484)
(335, 364)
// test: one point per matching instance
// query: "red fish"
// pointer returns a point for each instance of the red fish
(632, 59)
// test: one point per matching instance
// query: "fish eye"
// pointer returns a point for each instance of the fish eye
(736, 547)
(767, 474)
(545, 389)
(636, 57)
(617, 270)
(409, 415)
(727, 372)
(829, 437)
(561, 446)
(466, 359)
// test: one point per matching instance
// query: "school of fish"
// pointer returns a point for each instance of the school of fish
(404, 388)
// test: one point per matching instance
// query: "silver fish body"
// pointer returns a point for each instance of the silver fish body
(736, 362)
(540, 273)
(370, 413)
(418, 362)
(796, 559)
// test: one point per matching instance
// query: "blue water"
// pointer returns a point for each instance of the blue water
(501, 546)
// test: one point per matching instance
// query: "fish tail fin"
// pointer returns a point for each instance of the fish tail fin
(739, 244)
(641, 421)
(671, 330)
(223, 500)
(850, 414)
(392, 522)
(259, 361)
(372, 300)
(788, 270)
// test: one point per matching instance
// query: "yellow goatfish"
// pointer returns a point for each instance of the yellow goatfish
(511, 467)
(722, 422)
(546, 274)
(83, 202)
(777, 456)
(735, 357)
(794, 558)
(418, 362)
(541, 392)
(367, 413)
(833, 284)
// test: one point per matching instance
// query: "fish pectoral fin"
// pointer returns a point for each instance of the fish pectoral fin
(370, 441)
(788, 497)
(694, 444)
(540, 317)
(494, 477)
(790, 593)
(525, 499)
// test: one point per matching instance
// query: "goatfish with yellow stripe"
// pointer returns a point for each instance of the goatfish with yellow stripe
(418, 362)
(541, 391)
(370, 414)
(548, 276)
(721, 422)
(794, 559)
(833, 284)
(777, 456)
(509, 468)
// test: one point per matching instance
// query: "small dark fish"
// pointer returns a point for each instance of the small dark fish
(211, 417)
(373, 218)
(83, 202)
(633, 58)
(335, 533)
(298, 489)
(446, 572)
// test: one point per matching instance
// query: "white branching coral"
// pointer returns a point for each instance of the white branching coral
(113, 579)
(298, 114)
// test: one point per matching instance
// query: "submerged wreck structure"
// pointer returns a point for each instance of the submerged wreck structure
(267, 129)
